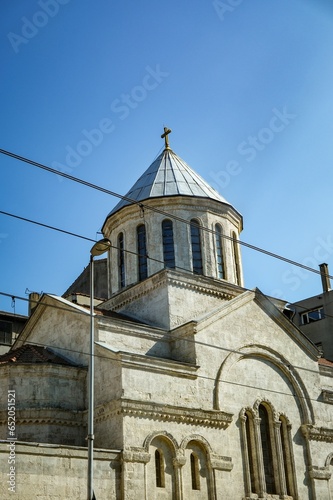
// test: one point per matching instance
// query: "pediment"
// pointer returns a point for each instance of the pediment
(251, 308)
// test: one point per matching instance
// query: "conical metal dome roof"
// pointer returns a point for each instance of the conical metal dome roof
(169, 175)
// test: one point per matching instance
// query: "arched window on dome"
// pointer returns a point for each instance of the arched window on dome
(142, 252)
(219, 252)
(168, 244)
(121, 260)
(236, 258)
(196, 247)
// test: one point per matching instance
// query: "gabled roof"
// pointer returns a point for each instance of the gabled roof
(34, 354)
(168, 175)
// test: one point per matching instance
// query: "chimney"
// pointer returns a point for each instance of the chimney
(33, 301)
(325, 277)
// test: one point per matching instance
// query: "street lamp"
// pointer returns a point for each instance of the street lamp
(98, 248)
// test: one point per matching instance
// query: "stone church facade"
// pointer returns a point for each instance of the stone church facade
(203, 389)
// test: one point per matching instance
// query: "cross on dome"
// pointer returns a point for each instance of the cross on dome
(164, 136)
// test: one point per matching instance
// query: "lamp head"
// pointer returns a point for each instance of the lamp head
(100, 247)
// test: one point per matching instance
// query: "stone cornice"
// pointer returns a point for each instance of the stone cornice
(59, 450)
(326, 371)
(153, 364)
(174, 278)
(171, 204)
(317, 433)
(140, 455)
(327, 396)
(116, 325)
(164, 413)
(45, 416)
(320, 473)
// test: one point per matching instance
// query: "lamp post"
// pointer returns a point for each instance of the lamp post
(98, 248)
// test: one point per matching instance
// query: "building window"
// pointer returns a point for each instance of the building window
(219, 251)
(313, 315)
(121, 260)
(142, 252)
(159, 469)
(195, 472)
(251, 458)
(236, 258)
(196, 247)
(268, 454)
(267, 450)
(287, 453)
(168, 245)
(5, 332)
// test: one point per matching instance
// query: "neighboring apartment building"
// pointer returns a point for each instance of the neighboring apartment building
(11, 325)
(203, 389)
(314, 316)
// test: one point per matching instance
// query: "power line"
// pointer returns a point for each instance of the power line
(196, 342)
(84, 311)
(156, 210)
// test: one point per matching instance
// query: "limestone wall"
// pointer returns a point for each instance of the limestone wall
(49, 472)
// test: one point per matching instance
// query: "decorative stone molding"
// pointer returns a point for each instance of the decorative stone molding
(317, 433)
(327, 396)
(221, 463)
(320, 473)
(165, 413)
(179, 461)
(327, 371)
(161, 434)
(173, 277)
(46, 417)
(138, 455)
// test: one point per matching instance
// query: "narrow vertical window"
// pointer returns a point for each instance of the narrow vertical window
(168, 245)
(267, 450)
(121, 261)
(250, 451)
(196, 247)
(195, 472)
(286, 457)
(219, 252)
(142, 252)
(159, 469)
(236, 258)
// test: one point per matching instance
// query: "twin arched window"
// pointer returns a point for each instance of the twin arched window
(160, 467)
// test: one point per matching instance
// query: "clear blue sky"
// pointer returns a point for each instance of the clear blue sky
(246, 87)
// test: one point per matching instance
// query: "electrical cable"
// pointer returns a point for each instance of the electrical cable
(56, 349)
(154, 209)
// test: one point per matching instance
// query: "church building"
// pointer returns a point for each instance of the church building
(204, 390)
